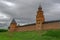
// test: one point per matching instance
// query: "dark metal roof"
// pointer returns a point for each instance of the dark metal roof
(13, 21)
(52, 21)
(43, 23)
(40, 7)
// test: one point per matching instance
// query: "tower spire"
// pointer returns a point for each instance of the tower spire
(40, 7)
(13, 21)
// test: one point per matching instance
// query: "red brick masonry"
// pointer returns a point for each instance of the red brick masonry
(46, 26)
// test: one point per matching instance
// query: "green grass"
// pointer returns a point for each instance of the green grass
(31, 35)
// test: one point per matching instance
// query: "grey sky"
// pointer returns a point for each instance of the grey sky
(24, 11)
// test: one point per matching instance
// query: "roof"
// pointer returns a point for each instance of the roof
(43, 23)
(40, 7)
(28, 25)
(13, 21)
(52, 21)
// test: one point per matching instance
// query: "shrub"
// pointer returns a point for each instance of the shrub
(3, 30)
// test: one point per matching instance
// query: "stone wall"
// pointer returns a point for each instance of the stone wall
(26, 28)
(46, 26)
(54, 25)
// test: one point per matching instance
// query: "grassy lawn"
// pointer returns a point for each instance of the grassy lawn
(31, 35)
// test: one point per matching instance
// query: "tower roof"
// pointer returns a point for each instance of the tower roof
(40, 7)
(13, 21)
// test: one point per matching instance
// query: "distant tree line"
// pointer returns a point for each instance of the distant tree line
(3, 30)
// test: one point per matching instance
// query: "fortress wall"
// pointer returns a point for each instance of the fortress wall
(54, 25)
(26, 28)
(46, 26)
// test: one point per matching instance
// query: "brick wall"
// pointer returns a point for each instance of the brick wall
(55, 25)
(26, 28)
(46, 26)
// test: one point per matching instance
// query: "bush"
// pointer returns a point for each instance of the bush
(3, 30)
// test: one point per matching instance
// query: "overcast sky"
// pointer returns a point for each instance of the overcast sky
(24, 11)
